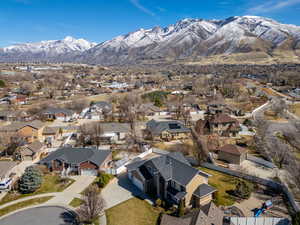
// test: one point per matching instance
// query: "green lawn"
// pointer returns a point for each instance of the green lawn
(76, 202)
(31, 202)
(133, 212)
(222, 182)
(51, 183)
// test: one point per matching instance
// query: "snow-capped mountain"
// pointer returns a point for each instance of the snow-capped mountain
(53, 50)
(187, 38)
(196, 37)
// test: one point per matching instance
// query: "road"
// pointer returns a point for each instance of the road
(44, 215)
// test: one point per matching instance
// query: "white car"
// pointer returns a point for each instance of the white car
(5, 183)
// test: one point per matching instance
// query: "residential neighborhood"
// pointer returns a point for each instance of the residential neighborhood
(196, 156)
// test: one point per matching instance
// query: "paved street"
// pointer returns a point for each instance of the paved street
(47, 215)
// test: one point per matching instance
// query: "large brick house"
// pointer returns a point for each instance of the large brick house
(79, 161)
(171, 178)
(220, 123)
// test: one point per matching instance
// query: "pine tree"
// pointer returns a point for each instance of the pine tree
(31, 180)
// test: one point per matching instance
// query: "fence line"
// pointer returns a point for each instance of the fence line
(265, 182)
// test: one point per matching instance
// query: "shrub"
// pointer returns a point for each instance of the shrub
(296, 219)
(243, 189)
(104, 179)
(2, 84)
(31, 180)
(181, 208)
(158, 202)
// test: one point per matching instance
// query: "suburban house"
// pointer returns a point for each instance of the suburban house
(220, 123)
(171, 178)
(50, 134)
(149, 109)
(232, 154)
(115, 132)
(98, 110)
(209, 214)
(6, 168)
(58, 114)
(166, 130)
(31, 151)
(30, 131)
(78, 161)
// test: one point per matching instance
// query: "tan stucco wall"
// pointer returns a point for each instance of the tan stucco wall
(191, 187)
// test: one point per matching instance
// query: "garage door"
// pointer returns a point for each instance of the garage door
(138, 183)
(90, 172)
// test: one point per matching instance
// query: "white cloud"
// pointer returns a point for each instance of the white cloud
(138, 5)
(272, 5)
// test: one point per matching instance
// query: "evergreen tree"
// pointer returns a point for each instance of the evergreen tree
(31, 180)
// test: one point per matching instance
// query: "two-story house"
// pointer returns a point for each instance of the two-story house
(171, 178)
(166, 130)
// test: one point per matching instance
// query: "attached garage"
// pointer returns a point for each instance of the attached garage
(89, 172)
(132, 176)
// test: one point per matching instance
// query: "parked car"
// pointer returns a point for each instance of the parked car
(5, 184)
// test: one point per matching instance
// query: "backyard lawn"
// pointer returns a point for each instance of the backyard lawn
(31, 202)
(133, 212)
(222, 183)
(51, 183)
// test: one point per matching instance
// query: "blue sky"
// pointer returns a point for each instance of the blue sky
(100, 20)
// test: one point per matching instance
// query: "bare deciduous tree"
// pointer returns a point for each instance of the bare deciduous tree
(93, 205)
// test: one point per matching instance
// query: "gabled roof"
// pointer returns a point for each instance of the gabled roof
(203, 190)
(172, 166)
(5, 167)
(13, 127)
(207, 215)
(51, 110)
(233, 149)
(115, 127)
(172, 126)
(78, 155)
(35, 146)
(103, 105)
(50, 130)
(223, 118)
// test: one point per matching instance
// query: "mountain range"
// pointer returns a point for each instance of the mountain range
(188, 38)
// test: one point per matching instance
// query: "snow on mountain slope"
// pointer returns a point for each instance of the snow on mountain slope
(186, 38)
(46, 49)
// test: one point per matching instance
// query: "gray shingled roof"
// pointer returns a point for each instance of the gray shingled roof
(51, 110)
(203, 190)
(172, 126)
(78, 155)
(172, 166)
(115, 127)
(5, 167)
(106, 106)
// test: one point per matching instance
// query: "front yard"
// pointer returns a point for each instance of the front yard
(51, 183)
(134, 212)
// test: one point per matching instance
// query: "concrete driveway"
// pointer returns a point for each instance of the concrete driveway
(45, 215)
(119, 190)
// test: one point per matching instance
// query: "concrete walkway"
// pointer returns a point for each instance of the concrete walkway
(61, 198)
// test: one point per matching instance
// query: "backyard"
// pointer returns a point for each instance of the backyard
(223, 183)
(134, 212)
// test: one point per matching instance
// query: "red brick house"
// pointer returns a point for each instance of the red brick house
(78, 161)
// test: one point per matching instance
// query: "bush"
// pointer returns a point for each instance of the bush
(158, 203)
(296, 219)
(2, 84)
(31, 180)
(243, 189)
(104, 179)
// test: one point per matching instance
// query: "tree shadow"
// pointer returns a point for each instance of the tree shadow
(69, 218)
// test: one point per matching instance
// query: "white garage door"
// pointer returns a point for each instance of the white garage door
(87, 172)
